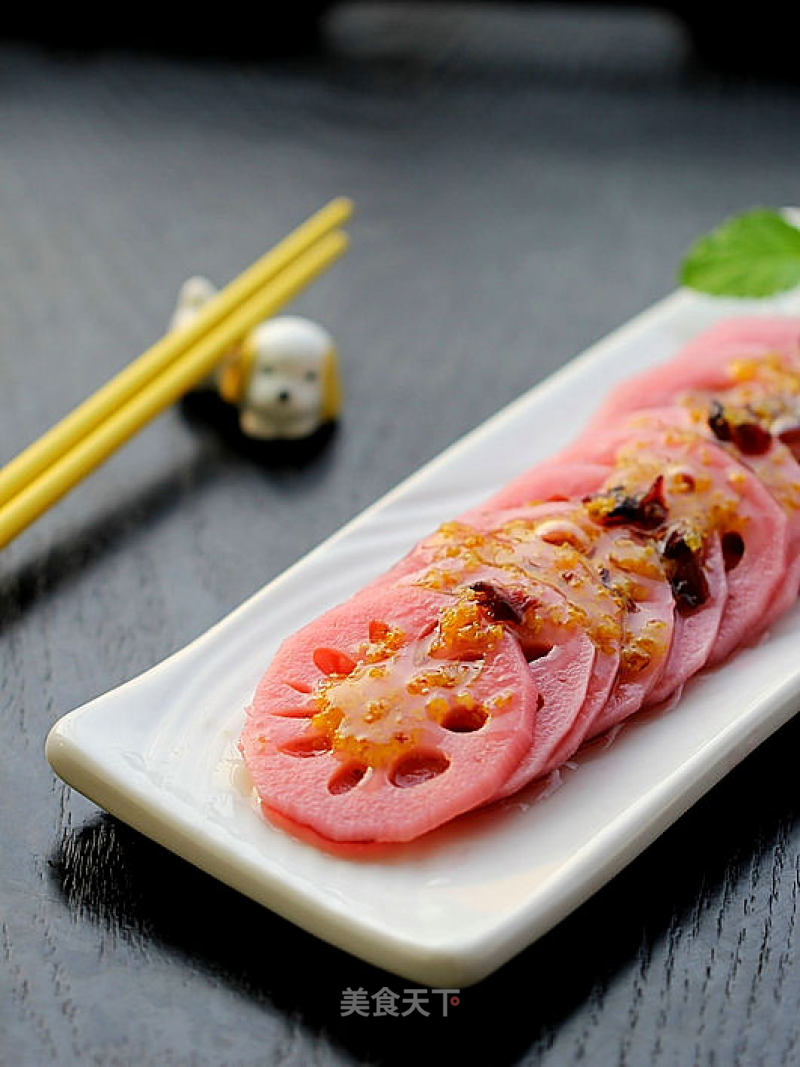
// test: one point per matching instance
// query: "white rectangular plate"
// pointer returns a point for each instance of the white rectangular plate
(160, 752)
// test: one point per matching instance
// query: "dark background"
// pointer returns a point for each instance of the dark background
(527, 178)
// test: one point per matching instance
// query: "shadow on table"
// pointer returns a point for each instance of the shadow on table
(119, 879)
(205, 410)
(221, 451)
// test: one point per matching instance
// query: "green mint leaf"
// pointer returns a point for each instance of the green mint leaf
(752, 255)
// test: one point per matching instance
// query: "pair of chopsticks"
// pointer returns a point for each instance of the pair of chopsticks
(38, 477)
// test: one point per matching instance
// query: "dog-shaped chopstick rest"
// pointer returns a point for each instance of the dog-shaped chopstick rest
(283, 376)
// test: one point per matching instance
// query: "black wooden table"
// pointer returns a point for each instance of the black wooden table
(526, 180)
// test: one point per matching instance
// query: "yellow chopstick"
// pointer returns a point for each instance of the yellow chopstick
(178, 377)
(35, 459)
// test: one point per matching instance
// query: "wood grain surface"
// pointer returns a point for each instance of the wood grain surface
(526, 180)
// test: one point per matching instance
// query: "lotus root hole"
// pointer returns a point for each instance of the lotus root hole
(418, 767)
(299, 687)
(732, 549)
(295, 713)
(310, 745)
(332, 661)
(461, 720)
(534, 652)
(347, 778)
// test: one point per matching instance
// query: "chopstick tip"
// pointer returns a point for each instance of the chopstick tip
(343, 204)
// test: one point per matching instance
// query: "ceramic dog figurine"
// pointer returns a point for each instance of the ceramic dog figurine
(283, 376)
